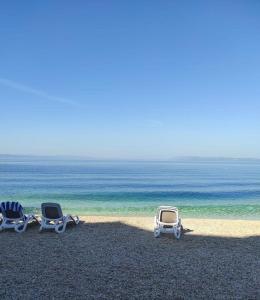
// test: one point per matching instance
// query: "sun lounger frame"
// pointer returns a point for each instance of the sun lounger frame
(58, 224)
(161, 227)
(18, 224)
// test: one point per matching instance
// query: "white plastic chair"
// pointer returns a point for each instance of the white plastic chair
(53, 218)
(167, 220)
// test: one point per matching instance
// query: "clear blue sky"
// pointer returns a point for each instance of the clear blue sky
(130, 79)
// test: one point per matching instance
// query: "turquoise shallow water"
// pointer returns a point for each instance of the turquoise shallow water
(216, 189)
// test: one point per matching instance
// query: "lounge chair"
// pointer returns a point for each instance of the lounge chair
(53, 218)
(13, 216)
(167, 221)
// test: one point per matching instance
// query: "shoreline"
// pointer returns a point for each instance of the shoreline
(197, 226)
(225, 218)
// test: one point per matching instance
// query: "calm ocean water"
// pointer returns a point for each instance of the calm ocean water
(228, 189)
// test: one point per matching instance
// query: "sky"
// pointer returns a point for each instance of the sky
(130, 79)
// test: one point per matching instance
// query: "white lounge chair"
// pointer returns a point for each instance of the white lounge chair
(53, 218)
(13, 217)
(167, 221)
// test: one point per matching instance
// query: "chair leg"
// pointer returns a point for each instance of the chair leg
(157, 232)
(2, 225)
(23, 225)
(20, 227)
(43, 224)
(177, 232)
(60, 228)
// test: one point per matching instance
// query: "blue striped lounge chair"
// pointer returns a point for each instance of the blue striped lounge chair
(53, 218)
(167, 221)
(14, 217)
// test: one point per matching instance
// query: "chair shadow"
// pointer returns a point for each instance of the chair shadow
(186, 230)
(113, 260)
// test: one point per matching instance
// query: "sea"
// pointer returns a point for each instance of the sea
(199, 188)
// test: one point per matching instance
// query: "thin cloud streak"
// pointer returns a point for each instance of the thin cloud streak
(26, 89)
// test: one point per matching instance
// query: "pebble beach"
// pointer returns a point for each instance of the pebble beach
(118, 258)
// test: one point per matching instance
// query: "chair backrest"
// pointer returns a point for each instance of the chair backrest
(168, 216)
(11, 210)
(51, 210)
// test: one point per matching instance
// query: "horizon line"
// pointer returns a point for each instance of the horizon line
(85, 157)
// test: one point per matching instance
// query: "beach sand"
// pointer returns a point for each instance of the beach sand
(118, 258)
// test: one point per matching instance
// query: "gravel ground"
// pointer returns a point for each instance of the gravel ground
(118, 258)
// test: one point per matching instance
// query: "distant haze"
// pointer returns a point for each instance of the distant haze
(194, 159)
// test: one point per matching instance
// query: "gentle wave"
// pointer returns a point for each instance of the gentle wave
(211, 189)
